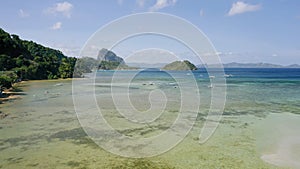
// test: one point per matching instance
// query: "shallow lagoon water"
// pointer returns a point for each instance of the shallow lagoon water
(42, 130)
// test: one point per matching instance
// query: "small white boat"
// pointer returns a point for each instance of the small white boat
(58, 84)
(210, 86)
(228, 75)
(212, 77)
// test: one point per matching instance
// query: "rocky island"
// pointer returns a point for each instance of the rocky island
(180, 65)
(106, 60)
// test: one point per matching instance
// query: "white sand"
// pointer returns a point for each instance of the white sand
(285, 155)
(286, 150)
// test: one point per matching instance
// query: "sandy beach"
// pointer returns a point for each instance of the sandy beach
(282, 148)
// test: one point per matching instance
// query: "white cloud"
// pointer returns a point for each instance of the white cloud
(70, 51)
(219, 53)
(64, 8)
(201, 12)
(160, 4)
(140, 3)
(23, 14)
(69, 48)
(242, 7)
(120, 2)
(56, 26)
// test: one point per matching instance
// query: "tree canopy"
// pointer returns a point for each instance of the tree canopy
(32, 61)
(180, 65)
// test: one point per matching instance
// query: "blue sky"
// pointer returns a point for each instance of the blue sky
(241, 31)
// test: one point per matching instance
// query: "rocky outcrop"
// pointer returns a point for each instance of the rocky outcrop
(180, 65)
(107, 55)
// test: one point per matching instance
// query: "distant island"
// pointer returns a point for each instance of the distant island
(146, 65)
(225, 65)
(252, 65)
(106, 60)
(109, 56)
(180, 65)
(28, 60)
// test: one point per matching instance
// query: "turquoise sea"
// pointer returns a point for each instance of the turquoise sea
(259, 127)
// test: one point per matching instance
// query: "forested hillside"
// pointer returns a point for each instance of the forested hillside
(21, 59)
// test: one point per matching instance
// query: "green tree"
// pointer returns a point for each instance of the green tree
(31, 60)
(66, 67)
(7, 79)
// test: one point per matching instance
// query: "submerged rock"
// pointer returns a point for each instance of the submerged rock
(3, 115)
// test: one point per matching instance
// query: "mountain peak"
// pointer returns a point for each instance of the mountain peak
(107, 55)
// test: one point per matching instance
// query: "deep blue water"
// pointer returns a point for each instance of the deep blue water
(265, 90)
(274, 73)
(240, 73)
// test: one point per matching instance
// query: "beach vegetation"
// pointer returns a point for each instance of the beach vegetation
(31, 61)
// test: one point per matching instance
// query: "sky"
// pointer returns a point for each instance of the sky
(240, 30)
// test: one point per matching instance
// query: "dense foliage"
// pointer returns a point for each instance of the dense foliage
(87, 64)
(29, 60)
(190, 65)
(7, 78)
(21, 59)
(180, 65)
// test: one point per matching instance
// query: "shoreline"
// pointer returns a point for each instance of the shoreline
(10, 95)
(16, 92)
